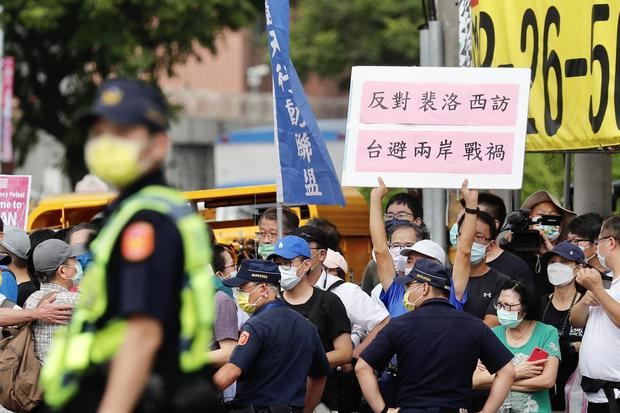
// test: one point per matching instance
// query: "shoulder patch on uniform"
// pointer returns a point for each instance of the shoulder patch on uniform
(243, 338)
(138, 241)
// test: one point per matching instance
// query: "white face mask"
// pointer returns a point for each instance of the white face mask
(289, 278)
(560, 274)
(400, 261)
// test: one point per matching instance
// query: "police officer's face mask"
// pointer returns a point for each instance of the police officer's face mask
(243, 300)
(409, 306)
(116, 160)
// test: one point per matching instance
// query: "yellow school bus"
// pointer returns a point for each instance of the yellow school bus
(232, 213)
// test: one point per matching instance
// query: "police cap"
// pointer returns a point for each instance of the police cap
(427, 272)
(128, 102)
(259, 271)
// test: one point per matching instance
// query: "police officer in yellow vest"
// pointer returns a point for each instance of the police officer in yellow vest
(142, 327)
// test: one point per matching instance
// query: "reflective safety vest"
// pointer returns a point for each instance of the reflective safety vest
(84, 344)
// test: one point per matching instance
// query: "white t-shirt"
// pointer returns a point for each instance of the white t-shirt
(361, 309)
(375, 294)
(599, 357)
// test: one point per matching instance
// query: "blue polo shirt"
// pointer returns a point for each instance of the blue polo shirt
(278, 349)
(393, 299)
(8, 288)
(438, 348)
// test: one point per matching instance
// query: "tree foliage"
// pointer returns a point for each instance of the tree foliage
(63, 48)
(328, 37)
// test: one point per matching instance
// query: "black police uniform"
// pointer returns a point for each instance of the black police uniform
(438, 348)
(281, 350)
(277, 350)
(149, 287)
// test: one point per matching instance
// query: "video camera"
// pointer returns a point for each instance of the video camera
(523, 238)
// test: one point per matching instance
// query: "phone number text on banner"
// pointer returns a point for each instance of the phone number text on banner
(433, 127)
(572, 48)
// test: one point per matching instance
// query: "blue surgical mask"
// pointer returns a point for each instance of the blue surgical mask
(454, 234)
(478, 252)
(509, 319)
(85, 260)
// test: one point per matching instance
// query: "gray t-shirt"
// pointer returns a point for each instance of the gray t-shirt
(225, 319)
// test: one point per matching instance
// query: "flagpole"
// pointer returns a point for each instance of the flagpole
(279, 189)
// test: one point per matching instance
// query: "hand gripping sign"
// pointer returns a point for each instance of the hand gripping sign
(434, 127)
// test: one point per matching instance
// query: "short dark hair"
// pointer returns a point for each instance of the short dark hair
(330, 230)
(527, 297)
(61, 234)
(586, 226)
(79, 227)
(218, 259)
(612, 226)
(312, 234)
(495, 206)
(410, 201)
(486, 219)
(419, 233)
(1, 225)
(290, 220)
(36, 238)
(45, 276)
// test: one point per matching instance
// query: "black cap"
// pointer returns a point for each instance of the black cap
(255, 271)
(312, 234)
(128, 102)
(5, 259)
(427, 272)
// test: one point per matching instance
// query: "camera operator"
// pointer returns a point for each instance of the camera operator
(540, 224)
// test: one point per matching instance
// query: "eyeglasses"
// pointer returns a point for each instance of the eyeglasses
(576, 241)
(388, 216)
(261, 235)
(505, 306)
(601, 239)
(287, 265)
(402, 246)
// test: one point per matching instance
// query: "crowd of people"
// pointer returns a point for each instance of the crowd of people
(138, 311)
(540, 289)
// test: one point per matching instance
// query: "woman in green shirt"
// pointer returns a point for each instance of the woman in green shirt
(518, 308)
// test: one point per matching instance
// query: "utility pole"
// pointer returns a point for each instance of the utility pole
(432, 54)
(439, 46)
(592, 183)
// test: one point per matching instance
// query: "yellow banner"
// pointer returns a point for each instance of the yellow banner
(572, 48)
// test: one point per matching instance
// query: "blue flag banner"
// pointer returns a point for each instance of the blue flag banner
(307, 174)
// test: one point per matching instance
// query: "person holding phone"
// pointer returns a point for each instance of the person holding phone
(562, 264)
(535, 347)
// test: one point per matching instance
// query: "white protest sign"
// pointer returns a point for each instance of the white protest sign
(432, 127)
(15, 200)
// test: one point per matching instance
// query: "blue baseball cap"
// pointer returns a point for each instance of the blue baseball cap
(290, 247)
(260, 271)
(128, 102)
(568, 251)
(427, 272)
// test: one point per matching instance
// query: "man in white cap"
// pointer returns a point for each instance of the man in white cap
(59, 271)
